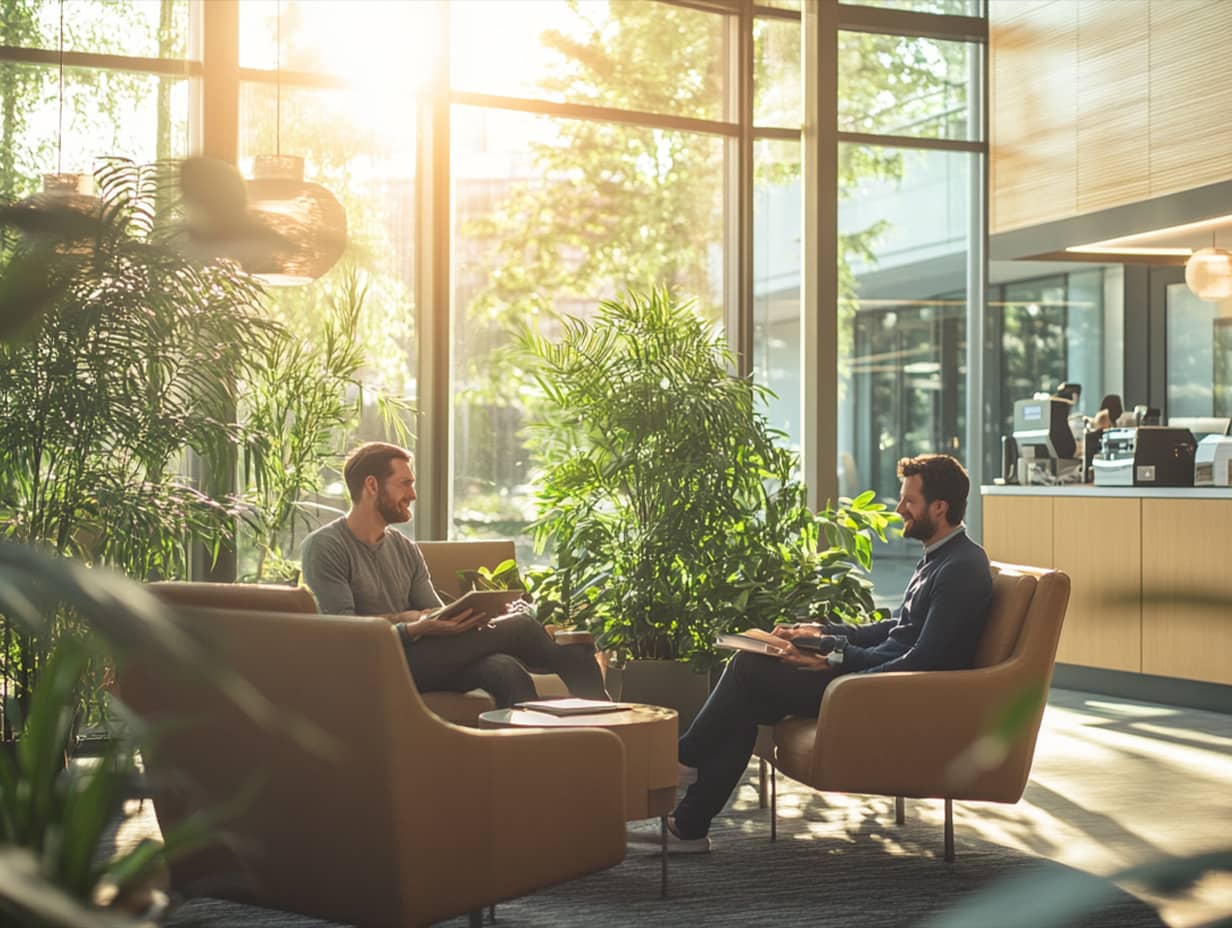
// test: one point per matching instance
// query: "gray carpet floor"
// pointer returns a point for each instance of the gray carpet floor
(826, 868)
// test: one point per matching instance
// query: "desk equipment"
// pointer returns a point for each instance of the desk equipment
(1148, 456)
(1213, 462)
(1047, 450)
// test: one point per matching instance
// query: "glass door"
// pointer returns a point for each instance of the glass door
(1197, 357)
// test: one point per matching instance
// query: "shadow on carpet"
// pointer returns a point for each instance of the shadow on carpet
(877, 874)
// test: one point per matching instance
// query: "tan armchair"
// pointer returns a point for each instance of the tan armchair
(401, 818)
(445, 560)
(965, 734)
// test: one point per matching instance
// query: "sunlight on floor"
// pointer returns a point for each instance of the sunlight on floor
(1110, 789)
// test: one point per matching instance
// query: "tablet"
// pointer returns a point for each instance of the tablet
(490, 602)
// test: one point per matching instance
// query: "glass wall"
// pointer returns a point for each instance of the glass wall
(777, 231)
(776, 281)
(1199, 355)
(1041, 332)
(552, 215)
(356, 129)
(608, 153)
(905, 257)
(943, 7)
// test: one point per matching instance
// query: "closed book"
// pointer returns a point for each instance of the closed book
(754, 641)
(572, 706)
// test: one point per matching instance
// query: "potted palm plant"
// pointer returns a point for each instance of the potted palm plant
(666, 498)
(130, 359)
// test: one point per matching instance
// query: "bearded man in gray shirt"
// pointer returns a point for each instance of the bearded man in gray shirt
(360, 565)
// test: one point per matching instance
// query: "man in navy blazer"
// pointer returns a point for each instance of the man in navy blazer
(937, 627)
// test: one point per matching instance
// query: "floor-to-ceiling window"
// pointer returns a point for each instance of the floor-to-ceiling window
(91, 80)
(592, 162)
(338, 85)
(579, 149)
(910, 152)
(777, 220)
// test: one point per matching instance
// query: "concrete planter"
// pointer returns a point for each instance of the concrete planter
(670, 684)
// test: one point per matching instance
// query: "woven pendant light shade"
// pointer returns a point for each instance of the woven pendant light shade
(75, 191)
(306, 217)
(61, 192)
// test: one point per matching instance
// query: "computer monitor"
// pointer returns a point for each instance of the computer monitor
(1041, 428)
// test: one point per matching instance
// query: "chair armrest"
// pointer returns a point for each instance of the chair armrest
(558, 806)
(873, 737)
(494, 815)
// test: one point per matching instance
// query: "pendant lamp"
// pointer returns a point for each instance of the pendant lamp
(61, 190)
(1208, 273)
(306, 218)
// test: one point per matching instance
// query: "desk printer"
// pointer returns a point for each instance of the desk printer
(1148, 456)
(1213, 462)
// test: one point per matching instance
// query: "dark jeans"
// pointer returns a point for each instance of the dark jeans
(754, 690)
(493, 659)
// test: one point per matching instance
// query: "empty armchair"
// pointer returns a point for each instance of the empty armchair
(964, 734)
(357, 804)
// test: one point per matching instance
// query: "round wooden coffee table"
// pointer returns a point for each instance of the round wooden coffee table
(649, 734)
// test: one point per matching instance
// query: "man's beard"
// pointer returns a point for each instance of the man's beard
(921, 528)
(389, 509)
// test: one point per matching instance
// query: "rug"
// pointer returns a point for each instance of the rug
(838, 860)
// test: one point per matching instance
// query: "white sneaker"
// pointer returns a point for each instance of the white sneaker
(646, 838)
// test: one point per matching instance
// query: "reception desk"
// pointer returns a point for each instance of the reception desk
(1130, 553)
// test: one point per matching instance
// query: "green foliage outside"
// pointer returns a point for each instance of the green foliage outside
(668, 503)
(302, 400)
(613, 207)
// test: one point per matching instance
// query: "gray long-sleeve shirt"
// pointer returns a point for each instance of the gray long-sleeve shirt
(352, 577)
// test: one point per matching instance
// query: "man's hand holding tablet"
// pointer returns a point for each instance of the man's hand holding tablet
(474, 610)
(488, 603)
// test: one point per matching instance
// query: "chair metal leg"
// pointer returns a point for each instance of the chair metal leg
(900, 810)
(663, 856)
(492, 913)
(774, 804)
(761, 782)
(476, 918)
(949, 830)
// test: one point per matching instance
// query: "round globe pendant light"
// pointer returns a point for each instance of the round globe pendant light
(1208, 273)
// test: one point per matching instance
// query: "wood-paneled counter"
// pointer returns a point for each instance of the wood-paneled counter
(1130, 552)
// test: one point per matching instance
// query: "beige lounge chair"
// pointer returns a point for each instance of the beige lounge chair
(360, 805)
(962, 734)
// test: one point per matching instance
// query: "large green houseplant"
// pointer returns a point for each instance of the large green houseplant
(130, 359)
(665, 497)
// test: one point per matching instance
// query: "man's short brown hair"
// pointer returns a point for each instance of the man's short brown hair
(942, 478)
(371, 459)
